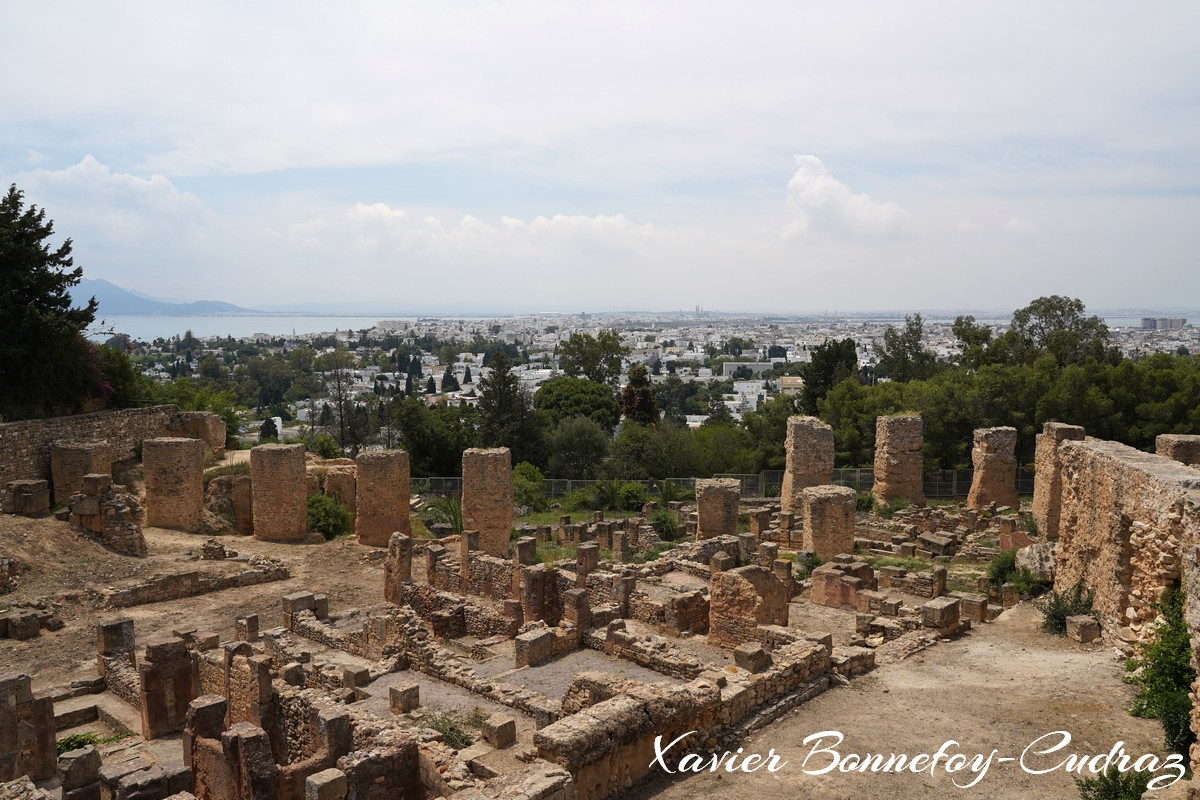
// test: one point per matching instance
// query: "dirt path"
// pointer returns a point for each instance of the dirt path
(1002, 686)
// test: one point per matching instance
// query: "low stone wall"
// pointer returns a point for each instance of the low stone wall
(189, 584)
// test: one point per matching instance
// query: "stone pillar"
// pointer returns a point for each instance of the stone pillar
(717, 507)
(381, 496)
(1047, 476)
(70, 461)
(168, 684)
(279, 492)
(1179, 447)
(994, 458)
(828, 520)
(899, 464)
(487, 497)
(809, 449)
(397, 568)
(174, 470)
(26, 731)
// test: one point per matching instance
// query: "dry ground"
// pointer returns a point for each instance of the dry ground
(1001, 686)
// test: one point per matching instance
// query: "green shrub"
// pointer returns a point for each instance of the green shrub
(804, 568)
(445, 508)
(666, 523)
(77, 740)
(888, 510)
(529, 487)
(671, 492)
(450, 729)
(578, 500)
(653, 553)
(1114, 785)
(327, 516)
(237, 468)
(1002, 567)
(1164, 674)
(1057, 606)
(324, 445)
(631, 496)
(865, 502)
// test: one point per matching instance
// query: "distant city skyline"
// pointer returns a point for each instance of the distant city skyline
(503, 158)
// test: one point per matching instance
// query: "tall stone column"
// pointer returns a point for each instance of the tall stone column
(487, 497)
(279, 492)
(809, 448)
(829, 520)
(994, 458)
(899, 464)
(717, 507)
(382, 496)
(174, 474)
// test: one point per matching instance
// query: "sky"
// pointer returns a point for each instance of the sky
(548, 156)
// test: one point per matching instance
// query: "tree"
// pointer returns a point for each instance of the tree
(831, 363)
(561, 398)
(597, 358)
(974, 340)
(718, 412)
(467, 375)
(46, 363)
(1056, 325)
(576, 447)
(431, 386)
(268, 431)
(637, 398)
(903, 355)
(449, 382)
(507, 417)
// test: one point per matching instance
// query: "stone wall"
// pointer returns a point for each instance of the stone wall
(279, 492)
(487, 497)
(70, 461)
(1125, 517)
(109, 514)
(828, 519)
(995, 461)
(188, 584)
(230, 496)
(809, 449)
(742, 599)
(899, 463)
(26, 730)
(25, 446)
(717, 507)
(382, 496)
(1047, 478)
(1179, 447)
(174, 476)
(168, 684)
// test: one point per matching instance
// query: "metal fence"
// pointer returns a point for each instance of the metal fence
(946, 483)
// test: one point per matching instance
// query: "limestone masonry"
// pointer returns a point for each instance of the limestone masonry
(278, 492)
(809, 452)
(381, 496)
(899, 463)
(174, 475)
(995, 461)
(487, 497)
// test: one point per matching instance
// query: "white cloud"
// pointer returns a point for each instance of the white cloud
(1020, 226)
(826, 205)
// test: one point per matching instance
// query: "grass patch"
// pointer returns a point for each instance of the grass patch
(550, 553)
(552, 517)
(653, 553)
(888, 510)
(224, 470)
(452, 728)
(77, 740)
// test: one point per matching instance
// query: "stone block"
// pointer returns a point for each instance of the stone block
(328, 784)
(500, 730)
(404, 699)
(1083, 629)
(79, 768)
(752, 657)
(941, 613)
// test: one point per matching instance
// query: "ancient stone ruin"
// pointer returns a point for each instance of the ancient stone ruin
(1047, 491)
(717, 507)
(1179, 447)
(899, 463)
(174, 475)
(995, 462)
(809, 453)
(279, 492)
(381, 496)
(487, 497)
(828, 513)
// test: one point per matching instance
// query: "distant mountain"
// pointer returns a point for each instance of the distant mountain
(115, 301)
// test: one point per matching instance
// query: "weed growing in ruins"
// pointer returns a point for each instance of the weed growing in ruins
(665, 523)
(888, 510)
(550, 554)
(864, 502)
(327, 516)
(804, 568)
(238, 468)
(1003, 569)
(1114, 785)
(450, 729)
(671, 492)
(78, 740)
(653, 553)
(529, 487)
(1163, 674)
(1057, 606)
(446, 509)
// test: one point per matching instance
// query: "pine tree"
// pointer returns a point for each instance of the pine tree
(467, 375)
(431, 387)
